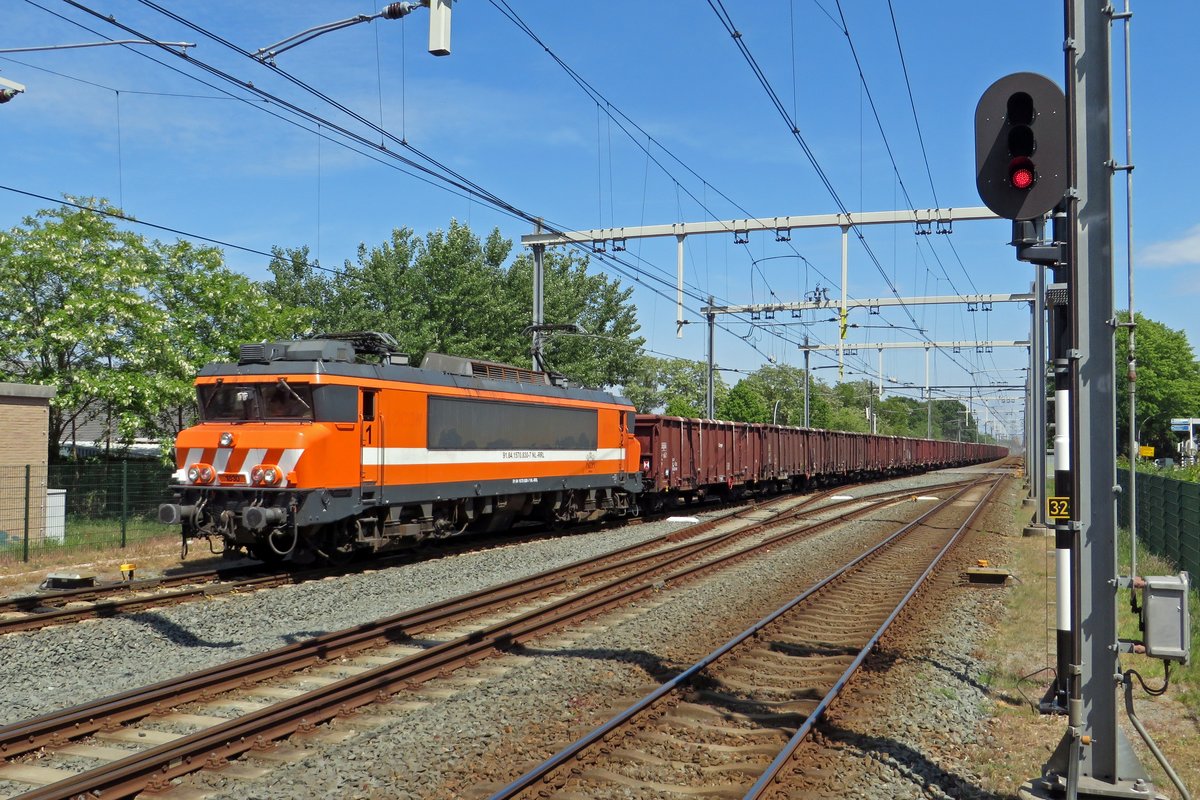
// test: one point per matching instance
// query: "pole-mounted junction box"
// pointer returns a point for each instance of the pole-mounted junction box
(1166, 627)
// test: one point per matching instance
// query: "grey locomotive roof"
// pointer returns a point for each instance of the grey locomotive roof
(406, 374)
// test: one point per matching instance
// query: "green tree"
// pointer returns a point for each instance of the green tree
(848, 403)
(675, 386)
(606, 350)
(305, 291)
(1168, 382)
(785, 384)
(118, 325)
(744, 403)
(208, 312)
(643, 388)
(450, 292)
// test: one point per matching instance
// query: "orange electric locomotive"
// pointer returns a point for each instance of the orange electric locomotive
(334, 445)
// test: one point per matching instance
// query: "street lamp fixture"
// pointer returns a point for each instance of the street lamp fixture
(9, 90)
(439, 28)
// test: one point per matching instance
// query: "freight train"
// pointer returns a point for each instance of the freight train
(333, 446)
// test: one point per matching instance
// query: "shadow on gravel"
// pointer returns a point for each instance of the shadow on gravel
(883, 659)
(655, 666)
(959, 672)
(812, 649)
(914, 765)
(176, 633)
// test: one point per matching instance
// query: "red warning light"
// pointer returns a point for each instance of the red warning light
(1021, 174)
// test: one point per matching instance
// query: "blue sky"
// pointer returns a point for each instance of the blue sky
(502, 113)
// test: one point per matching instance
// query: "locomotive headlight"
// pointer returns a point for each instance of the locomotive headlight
(265, 475)
(201, 473)
(226, 439)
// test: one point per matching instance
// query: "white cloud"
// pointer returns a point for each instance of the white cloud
(1173, 252)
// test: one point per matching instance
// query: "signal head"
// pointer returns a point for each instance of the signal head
(1021, 166)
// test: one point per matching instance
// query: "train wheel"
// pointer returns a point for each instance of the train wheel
(337, 542)
(264, 553)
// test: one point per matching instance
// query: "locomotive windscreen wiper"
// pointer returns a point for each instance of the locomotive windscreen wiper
(283, 382)
(208, 400)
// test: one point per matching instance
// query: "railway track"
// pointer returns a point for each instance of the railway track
(732, 724)
(60, 607)
(527, 609)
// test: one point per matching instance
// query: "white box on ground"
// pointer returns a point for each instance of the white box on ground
(56, 516)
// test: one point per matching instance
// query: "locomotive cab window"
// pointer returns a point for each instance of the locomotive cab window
(284, 400)
(252, 402)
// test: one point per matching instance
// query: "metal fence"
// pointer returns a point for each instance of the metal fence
(78, 505)
(1168, 517)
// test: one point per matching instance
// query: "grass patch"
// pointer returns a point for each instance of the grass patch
(1019, 657)
(90, 538)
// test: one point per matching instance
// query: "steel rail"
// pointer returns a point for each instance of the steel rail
(226, 582)
(773, 772)
(541, 772)
(230, 580)
(155, 767)
(89, 717)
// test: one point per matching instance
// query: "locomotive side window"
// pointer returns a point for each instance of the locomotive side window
(368, 406)
(335, 403)
(457, 424)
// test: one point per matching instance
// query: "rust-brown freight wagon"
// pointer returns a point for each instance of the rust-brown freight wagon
(690, 458)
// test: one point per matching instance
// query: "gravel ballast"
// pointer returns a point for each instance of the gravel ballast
(57, 667)
(508, 711)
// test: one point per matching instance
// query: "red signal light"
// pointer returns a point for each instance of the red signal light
(1021, 174)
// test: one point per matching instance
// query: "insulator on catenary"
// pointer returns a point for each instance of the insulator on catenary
(397, 10)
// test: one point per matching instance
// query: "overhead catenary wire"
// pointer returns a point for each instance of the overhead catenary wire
(606, 104)
(726, 20)
(259, 103)
(430, 174)
(433, 173)
(843, 27)
(437, 170)
(472, 189)
(621, 118)
(617, 266)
